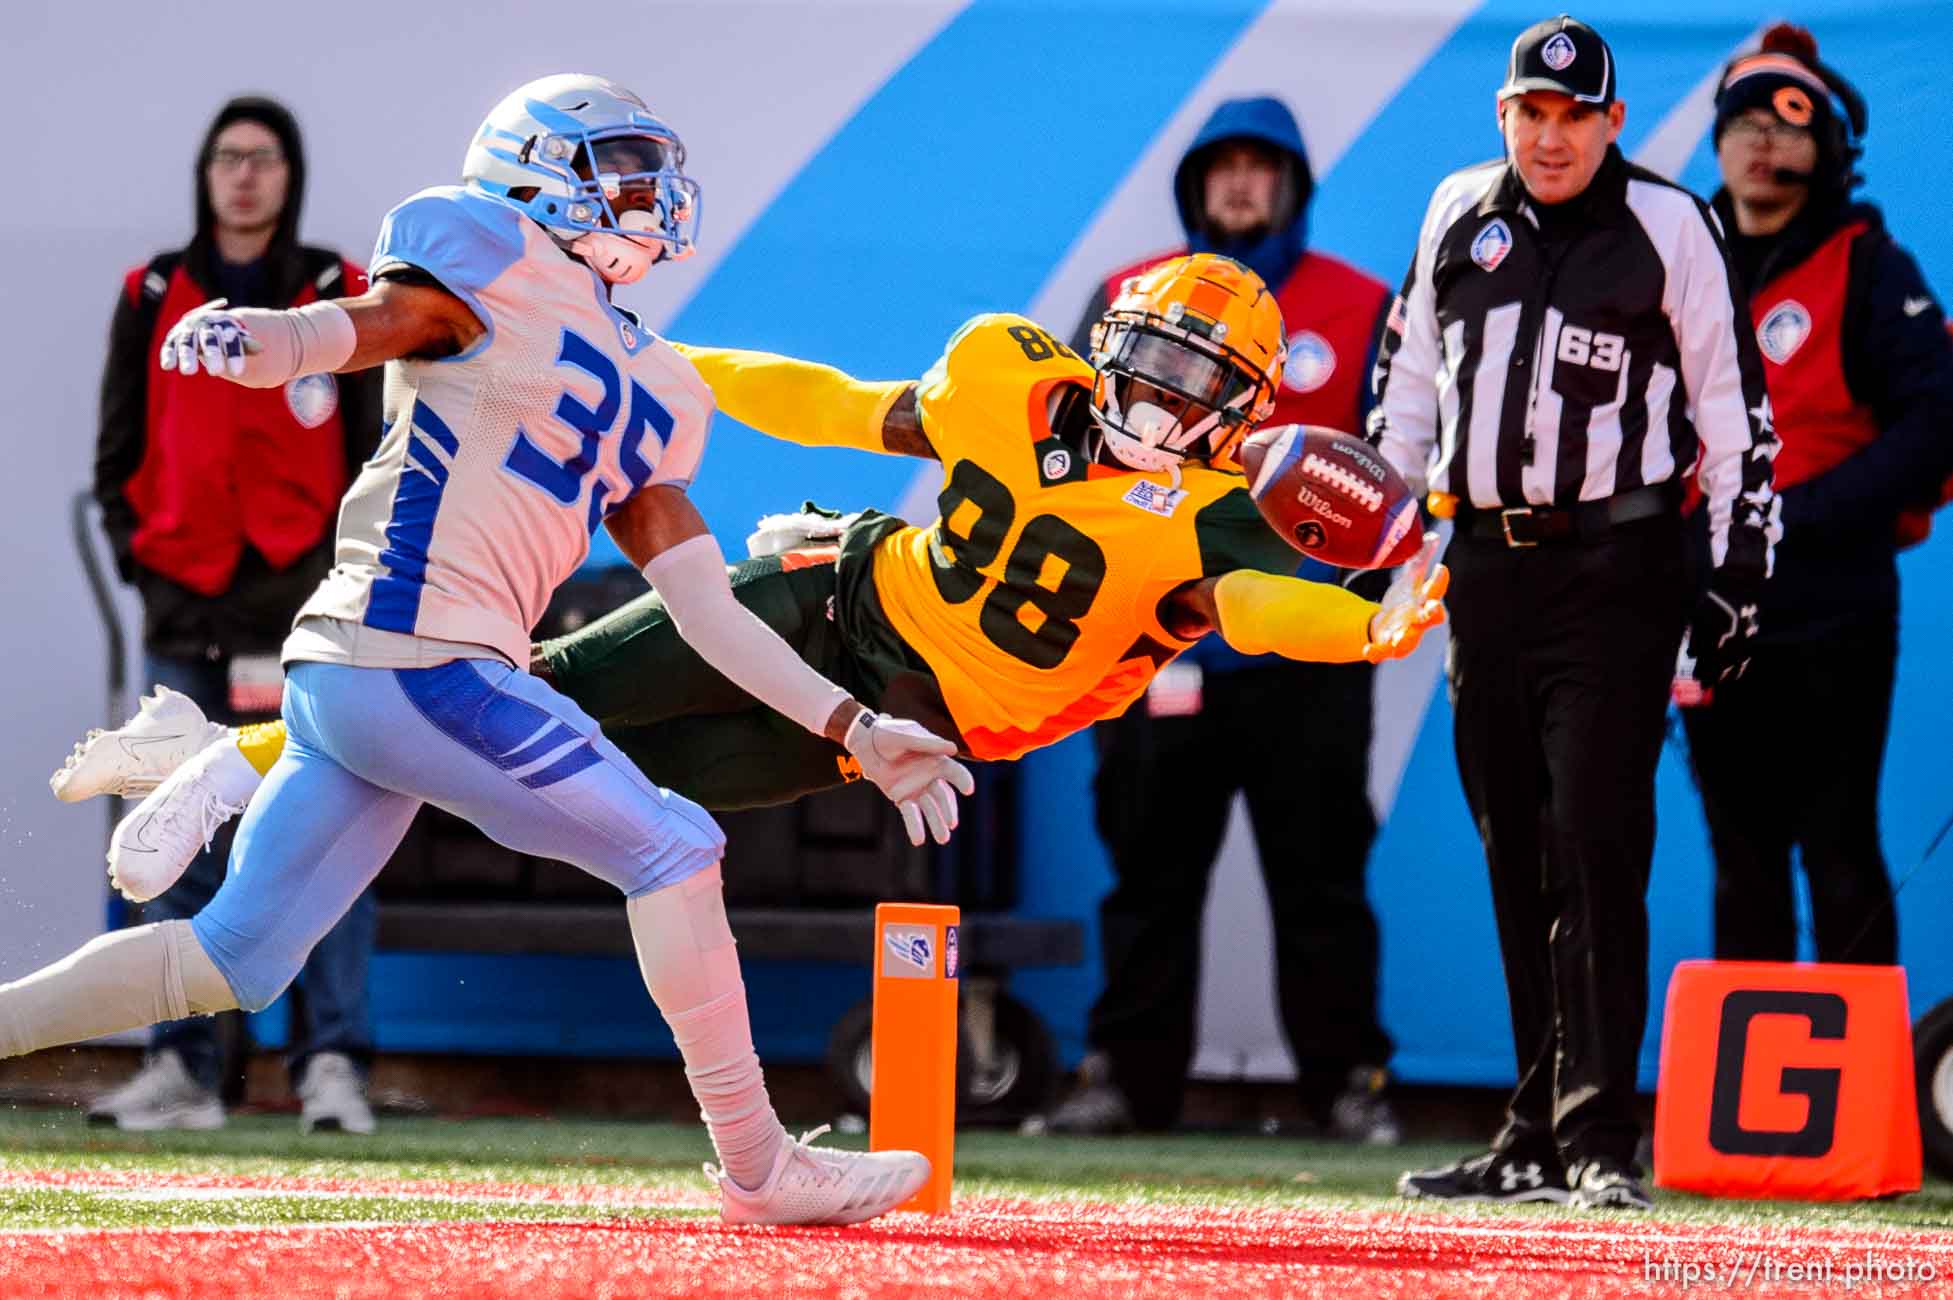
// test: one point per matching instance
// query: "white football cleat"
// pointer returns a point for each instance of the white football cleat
(812, 1185)
(162, 1095)
(332, 1097)
(134, 758)
(152, 846)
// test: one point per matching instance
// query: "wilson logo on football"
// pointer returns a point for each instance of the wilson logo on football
(1345, 482)
(1322, 505)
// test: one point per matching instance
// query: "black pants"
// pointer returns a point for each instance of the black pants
(1295, 738)
(1790, 754)
(1561, 659)
(690, 729)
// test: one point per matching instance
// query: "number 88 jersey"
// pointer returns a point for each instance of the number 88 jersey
(1035, 597)
(499, 463)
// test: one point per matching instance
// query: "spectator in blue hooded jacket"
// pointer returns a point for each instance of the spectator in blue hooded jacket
(1169, 769)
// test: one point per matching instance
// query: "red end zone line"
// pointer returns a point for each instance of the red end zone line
(1007, 1249)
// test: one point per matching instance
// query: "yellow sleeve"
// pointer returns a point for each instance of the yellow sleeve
(1262, 613)
(797, 401)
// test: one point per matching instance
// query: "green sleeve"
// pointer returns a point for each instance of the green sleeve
(1232, 535)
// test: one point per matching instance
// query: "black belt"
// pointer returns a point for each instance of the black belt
(1530, 525)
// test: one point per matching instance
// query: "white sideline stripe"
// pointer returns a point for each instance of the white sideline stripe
(1577, 1231)
(682, 1200)
(282, 1229)
(167, 1194)
(1567, 1232)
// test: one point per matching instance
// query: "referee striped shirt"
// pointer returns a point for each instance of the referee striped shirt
(1551, 357)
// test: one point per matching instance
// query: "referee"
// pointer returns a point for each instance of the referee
(1567, 345)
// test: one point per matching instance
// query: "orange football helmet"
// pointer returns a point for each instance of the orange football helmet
(1189, 359)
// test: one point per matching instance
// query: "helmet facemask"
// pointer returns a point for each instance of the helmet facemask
(1164, 394)
(633, 202)
(1189, 355)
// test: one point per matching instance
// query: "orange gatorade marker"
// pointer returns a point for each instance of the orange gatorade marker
(912, 1083)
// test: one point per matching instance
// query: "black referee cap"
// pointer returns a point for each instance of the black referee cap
(1562, 54)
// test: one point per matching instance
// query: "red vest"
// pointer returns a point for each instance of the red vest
(1799, 320)
(224, 465)
(1331, 310)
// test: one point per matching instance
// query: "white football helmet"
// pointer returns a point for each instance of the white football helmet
(589, 161)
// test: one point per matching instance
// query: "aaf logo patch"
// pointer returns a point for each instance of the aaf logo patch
(1310, 362)
(1784, 330)
(1559, 51)
(1057, 464)
(312, 399)
(1154, 499)
(1490, 245)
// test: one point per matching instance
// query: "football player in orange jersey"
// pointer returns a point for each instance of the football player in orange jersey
(1093, 525)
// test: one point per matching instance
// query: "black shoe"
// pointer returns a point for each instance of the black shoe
(1493, 1176)
(1098, 1109)
(1362, 1111)
(1603, 1184)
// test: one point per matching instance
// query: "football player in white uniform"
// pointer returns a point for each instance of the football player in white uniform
(523, 409)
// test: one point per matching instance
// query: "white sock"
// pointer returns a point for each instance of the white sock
(229, 772)
(685, 951)
(122, 980)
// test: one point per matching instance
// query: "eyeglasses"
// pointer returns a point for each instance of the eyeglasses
(1773, 129)
(262, 159)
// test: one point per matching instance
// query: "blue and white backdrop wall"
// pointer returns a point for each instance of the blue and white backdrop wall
(874, 172)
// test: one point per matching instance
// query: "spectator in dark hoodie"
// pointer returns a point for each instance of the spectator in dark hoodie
(219, 503)
(1860, 376)
(1294, 738)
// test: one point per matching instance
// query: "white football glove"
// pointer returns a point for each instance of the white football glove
(777, 533)
(211, 334)
(914, 767)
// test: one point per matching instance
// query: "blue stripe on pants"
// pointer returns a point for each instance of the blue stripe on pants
(368, 746)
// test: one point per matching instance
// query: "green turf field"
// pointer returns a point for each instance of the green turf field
(639, 1158)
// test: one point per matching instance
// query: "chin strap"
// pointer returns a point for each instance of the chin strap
(1130, 451)
(615, 255)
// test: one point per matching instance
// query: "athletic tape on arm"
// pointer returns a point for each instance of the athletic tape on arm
(691, 577)
(317, 338)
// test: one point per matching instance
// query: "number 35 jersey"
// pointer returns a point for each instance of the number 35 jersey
(1035, 596)
(499, 463)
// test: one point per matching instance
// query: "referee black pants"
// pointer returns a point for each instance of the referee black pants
(1820, 710)
(1293, 738)
(1560, 663)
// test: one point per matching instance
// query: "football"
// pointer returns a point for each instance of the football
(1332, 496)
